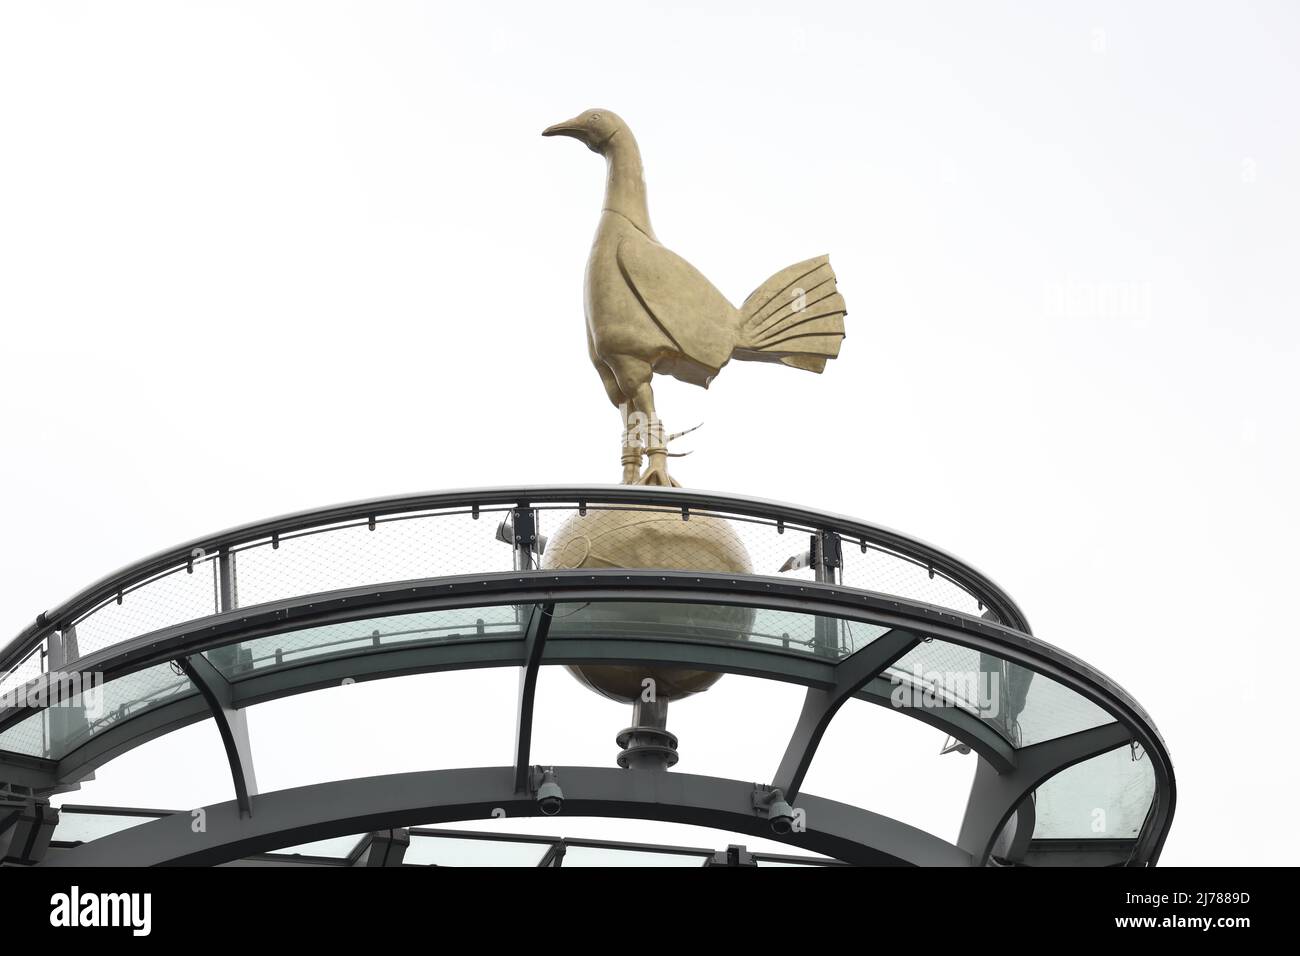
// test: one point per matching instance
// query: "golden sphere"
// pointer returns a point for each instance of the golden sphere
(652, 539)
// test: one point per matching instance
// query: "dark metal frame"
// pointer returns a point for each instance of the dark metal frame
(539, 625)
(1004, 783)
(342, 807)
(831, 682)
(232, 724)
(821, 703)
(389, 847)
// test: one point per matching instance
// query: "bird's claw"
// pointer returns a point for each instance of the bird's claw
(657, 474)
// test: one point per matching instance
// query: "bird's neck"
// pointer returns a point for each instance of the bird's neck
(625, 181)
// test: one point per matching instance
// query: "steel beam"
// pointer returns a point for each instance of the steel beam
(25, 831)
(232, 724)
(36, 774)
(549, 586)
(994, 796)
(821, 704)
(952, 720)
(539, 625)
(337, 808)
(553, 858)
(385, 848)
(125, 735)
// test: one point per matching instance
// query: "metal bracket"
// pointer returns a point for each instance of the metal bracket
(385, 848)
(25, 831)
(953, 745)
(554, 857)
(734, 855)
(827, 554)
(524, 526)
(519, 530)
(764, 795)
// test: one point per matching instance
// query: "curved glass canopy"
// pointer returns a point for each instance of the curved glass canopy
(899, 625)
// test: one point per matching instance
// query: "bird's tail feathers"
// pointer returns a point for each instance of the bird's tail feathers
(796, 318)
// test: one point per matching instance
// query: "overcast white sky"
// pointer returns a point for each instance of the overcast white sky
(261, 257)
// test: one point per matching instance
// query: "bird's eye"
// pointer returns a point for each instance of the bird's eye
(595, 117)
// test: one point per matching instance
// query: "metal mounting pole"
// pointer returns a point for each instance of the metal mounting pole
(647, 744)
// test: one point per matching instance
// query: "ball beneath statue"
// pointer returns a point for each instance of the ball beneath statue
(646, 539)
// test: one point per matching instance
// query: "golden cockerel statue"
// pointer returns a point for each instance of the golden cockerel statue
(649, 310)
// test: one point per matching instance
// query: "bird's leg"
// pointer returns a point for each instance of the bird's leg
(633, 444)
(657, 451)
(656, 445)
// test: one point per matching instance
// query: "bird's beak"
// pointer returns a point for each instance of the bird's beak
(567, 128)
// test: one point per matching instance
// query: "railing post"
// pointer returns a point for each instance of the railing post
(64, 722)
(227, 583)
(827, 557)
(227, 600)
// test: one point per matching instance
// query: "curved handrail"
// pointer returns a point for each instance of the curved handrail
(980, 586)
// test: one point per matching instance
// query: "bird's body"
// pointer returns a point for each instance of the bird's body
(650, 311)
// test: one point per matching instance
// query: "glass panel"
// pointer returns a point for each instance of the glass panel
(614, 856)
(78, 827)
(428, 850)
(293, 647)
(1023, 706)
(58, 730)
(1104, 798)
(338, 848)
(791, 631)
(1053, 710)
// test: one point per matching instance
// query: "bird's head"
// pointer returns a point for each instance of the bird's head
(593, 128)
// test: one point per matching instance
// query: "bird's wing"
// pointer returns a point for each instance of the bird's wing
(696, 316)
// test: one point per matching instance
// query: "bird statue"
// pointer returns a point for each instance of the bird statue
(648, 310)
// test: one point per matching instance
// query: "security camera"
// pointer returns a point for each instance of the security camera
(780, 815)
(550, 798)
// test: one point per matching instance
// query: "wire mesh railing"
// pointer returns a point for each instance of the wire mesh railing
(465, 533)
